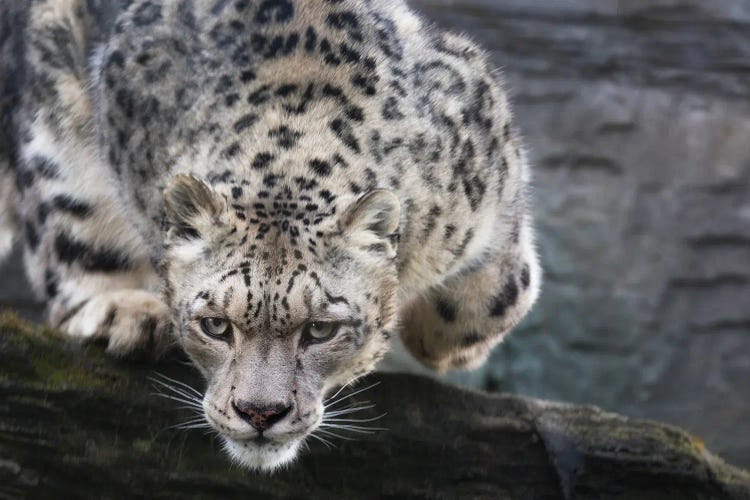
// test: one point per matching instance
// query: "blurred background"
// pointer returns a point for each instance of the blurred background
(637, 117)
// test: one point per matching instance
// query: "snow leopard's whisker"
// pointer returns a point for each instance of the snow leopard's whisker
(171, 380)
(191, 400)
(195, 409)
(191, 404)
(329, 403)
(187, 426)
(350, 428)
(333, 434)
(176, 398)
(193, 420)
(190, 397)
(340, 389)
(323, 440)
(347, 411)
(353, 404)
(354, 393)
(183, 384)
(354, 420)
(177, 390)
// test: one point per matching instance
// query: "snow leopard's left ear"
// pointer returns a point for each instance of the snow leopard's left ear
(192, 208)
(372, 222)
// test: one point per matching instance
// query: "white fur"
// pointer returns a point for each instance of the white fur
(7, 228)
(131, 309)
(261, 458)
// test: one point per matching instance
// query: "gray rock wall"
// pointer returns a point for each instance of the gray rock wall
(637, 116)
(638, 121)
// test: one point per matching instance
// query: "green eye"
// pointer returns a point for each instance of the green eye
(319, 331)
(216, 327)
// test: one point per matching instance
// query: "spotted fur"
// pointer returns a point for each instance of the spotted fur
(271, 162)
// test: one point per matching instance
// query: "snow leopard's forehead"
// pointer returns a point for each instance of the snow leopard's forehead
(270, 287)
(274, 258)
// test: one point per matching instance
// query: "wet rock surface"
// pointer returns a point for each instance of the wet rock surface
(74, 424)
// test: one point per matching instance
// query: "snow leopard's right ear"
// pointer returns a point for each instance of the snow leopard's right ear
(192, 208)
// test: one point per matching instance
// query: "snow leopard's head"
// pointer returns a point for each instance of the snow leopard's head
(279, 297)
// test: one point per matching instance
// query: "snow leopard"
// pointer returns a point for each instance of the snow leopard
(280, 187)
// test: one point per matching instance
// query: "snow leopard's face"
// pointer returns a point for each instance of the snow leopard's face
(274, 315)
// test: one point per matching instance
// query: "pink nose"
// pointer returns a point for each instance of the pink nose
(261, 417)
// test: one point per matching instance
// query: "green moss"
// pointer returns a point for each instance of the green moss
(64, 376)
(142, 445)
(54, 365)
(11, 325)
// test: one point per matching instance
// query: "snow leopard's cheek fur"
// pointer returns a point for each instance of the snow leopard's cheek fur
(268, 291)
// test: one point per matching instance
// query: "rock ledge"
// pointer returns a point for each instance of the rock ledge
(74, 423)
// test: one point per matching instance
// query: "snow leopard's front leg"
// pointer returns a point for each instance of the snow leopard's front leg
(82, 253)
(456, 325)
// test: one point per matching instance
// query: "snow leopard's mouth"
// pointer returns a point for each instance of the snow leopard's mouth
(254, 444)
(266, 450)
(260, 448)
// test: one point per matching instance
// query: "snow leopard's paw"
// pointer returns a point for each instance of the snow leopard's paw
(131, 320)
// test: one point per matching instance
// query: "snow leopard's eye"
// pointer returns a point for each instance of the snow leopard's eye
(319, 331)
(216, 327)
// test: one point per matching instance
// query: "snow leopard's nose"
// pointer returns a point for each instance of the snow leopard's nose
(261, 417)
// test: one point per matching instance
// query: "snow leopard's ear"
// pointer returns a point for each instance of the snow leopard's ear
(373, 219)
(192, 208)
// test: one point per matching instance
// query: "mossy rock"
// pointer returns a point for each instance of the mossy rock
(75, 423)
